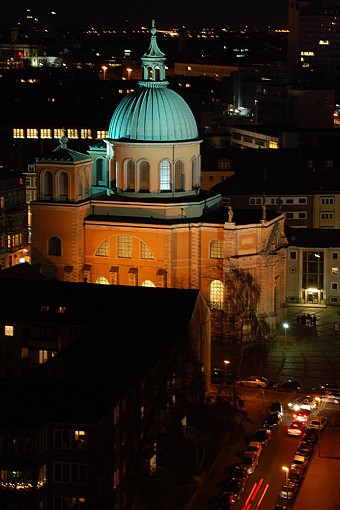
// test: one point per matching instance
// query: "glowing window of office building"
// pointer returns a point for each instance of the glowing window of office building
(18, 133)
(85, 133)
(45, 133)
(102, 134)
(72, 133)
(9, 330)
(32, 133)
(58, 133)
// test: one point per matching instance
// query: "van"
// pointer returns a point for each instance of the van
(249, 461)
(277, 407)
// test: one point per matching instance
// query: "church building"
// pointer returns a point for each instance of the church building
(132, 210)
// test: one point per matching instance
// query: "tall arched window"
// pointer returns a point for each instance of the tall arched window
(144, 176)
(216, 249)
(179, 176)
(148, 283)
(130, 175)
(54, 246)
(194, 173)
(216, 296)
(99, 172)
(48, 185)
(165, 175)
(63, 186)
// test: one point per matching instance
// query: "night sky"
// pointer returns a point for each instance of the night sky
(190, 13)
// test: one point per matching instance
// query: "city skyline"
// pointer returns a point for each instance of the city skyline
(261, 13)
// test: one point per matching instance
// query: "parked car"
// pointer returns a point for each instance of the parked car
(254, 381)
(280, 507)
(311, 436)
(249, 461)
(276, 406)
(327, 386)
(296, 428)
(299, 461)
(232, 486)
(289, 490)
(273, 419)
(255, 446)
(295, 474)
(220, 376)
(263, 436)
(301, 415)
(220, 502)
(238, 472)
(319, 422)
(305, 449)
(289, 385)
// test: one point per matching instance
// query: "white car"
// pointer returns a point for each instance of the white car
(308, 403)
(319, 422)
(254, 381)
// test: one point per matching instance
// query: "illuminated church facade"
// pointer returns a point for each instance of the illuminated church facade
(132, 211)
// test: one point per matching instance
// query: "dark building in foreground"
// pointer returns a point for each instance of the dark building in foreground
(91, 427)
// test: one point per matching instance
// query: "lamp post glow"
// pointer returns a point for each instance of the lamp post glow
(226, 362)
(286, 326)
(104, 68)
(318, 399)
(286, 469)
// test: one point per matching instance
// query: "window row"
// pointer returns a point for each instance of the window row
(65, 439)
(47, 133)
(70, 473)
(57, 186)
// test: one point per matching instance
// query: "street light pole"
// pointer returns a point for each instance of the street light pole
(318, 399)
(226, 362)
(286, 326)
(286, 469)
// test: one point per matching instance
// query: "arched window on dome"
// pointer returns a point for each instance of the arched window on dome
(148, 283)
(144, 176)
(216, 295)
(130, 175)
(63, 186)
(102, 280)
(194, 174)
(165, 175)
(54, 246)
(47, 186)
(179, 176)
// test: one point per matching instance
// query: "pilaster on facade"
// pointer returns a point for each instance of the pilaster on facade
(195, 256)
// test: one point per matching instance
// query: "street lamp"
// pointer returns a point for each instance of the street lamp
(226, 362)
(318, 399)
(104, 68)
(286, 470)
(286, 326)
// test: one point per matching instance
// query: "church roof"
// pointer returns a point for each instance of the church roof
(63, 155)
(153, 112)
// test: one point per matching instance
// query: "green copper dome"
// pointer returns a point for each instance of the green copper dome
(153, 112)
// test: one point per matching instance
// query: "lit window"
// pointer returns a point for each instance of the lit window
(45, 133)
(216, 295)
(102, 280)
(9, 330)
(43, 356)
(24, 352)
(32, 133)
(165, 176)
(335, 270)
(42, 476)
(124, 248)
(102, 134)
(61, 309)
(72, 133)
(148, 283)
(103, 250)
(273, 145)
(85, 133)
(115, 478)
(44, 308)
(58, 133)
(146, 252)
(216, 249)
(18, 133)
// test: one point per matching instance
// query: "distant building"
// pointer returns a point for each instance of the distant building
(314, 38)
(14, 247)
(313, 267)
